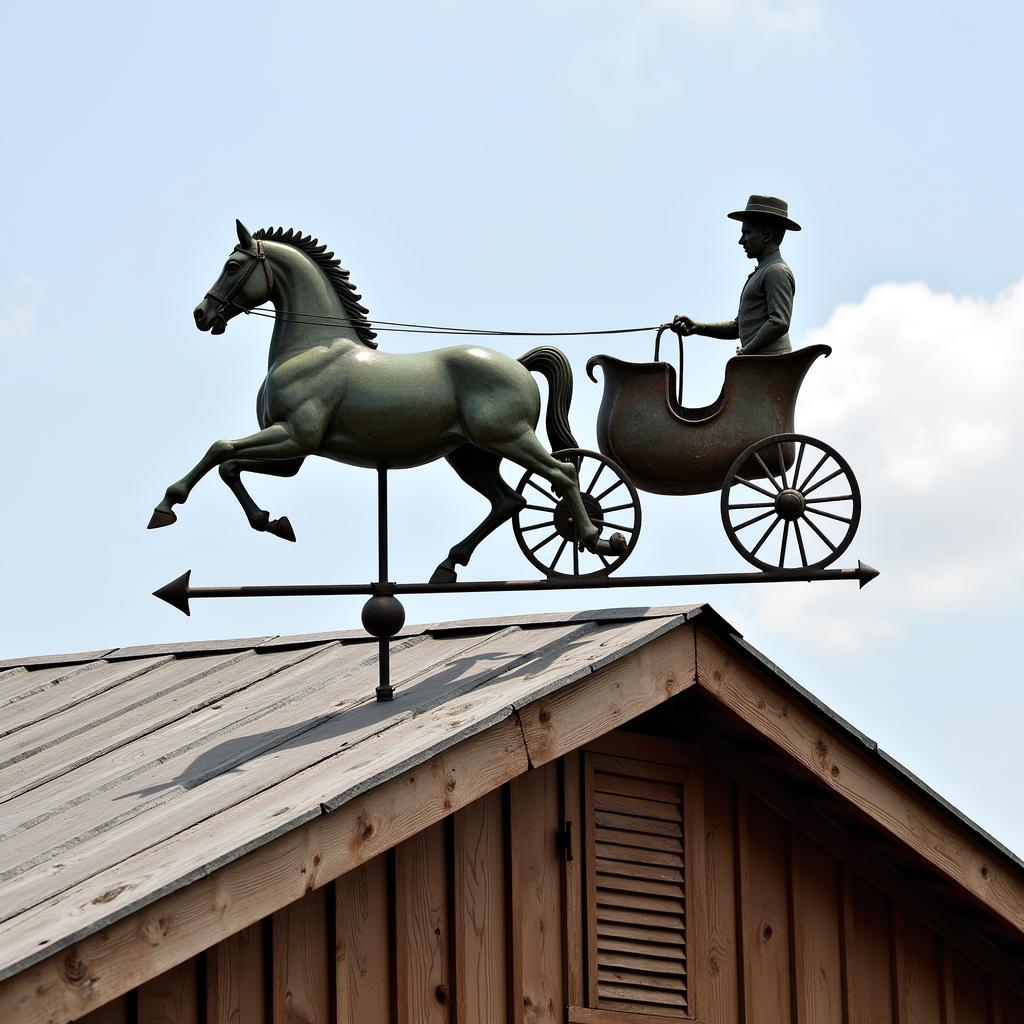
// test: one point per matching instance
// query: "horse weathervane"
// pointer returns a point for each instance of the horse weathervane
(576, 514)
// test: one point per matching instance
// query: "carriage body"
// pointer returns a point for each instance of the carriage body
(667, 448)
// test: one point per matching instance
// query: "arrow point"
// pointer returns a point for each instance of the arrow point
(176, 593)
(865, 573)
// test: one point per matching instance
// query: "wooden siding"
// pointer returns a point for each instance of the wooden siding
(480, 919)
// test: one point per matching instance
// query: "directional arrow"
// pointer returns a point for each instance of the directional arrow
(179, 592)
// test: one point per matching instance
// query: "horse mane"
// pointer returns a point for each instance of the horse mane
(336, 274)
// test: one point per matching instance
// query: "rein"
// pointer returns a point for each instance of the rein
(397, 326)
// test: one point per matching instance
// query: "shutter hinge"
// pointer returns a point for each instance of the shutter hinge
(564, 840)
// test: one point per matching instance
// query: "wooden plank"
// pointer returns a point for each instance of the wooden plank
(856, 851)
(139, 708)
(267, 743)
(189, 920)
(422, 928)
(514, 888)
(116, 1012)
(572, 881)
(766, 938)
(20, 684)
(584, 1015)
(236, 991)
(871, 967)
(302, 961)
(49, 660)
(971, 995)
(363, 957)
(921, 998)
(188, 647)
(718, 958)
(124, 784)
(817, 914)
(172, 997)
(856, 776)
(536, 817)
(480, 925)
(1012, 1005)
(572, 716)
(78, 690)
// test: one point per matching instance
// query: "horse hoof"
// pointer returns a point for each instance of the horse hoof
(617, 543)
(443, 575)
(161, 518)
(281, 528)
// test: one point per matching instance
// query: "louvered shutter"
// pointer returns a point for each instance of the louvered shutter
(636, 892)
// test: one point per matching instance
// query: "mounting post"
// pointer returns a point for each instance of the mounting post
(383, 615)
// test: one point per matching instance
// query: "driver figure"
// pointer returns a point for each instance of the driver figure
(766, 302)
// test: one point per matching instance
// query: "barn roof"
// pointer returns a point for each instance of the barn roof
(127, 774)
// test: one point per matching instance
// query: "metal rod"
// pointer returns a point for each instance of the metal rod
(385, 691)
(861, 573)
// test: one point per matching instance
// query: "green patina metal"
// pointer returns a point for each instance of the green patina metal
(330, 392)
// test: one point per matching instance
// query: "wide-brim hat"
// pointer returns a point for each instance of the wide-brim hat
(768, 208)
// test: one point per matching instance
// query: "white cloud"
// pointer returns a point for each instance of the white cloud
(923, 396)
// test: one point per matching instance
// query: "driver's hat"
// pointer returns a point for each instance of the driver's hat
(766, 207)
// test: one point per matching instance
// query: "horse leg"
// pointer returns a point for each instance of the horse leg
(276, 442)
(259, 519)
(528, 452)
(480, 470)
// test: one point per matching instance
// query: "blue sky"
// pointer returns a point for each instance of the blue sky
(539, 166)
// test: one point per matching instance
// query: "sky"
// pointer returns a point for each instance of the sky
(539, 166)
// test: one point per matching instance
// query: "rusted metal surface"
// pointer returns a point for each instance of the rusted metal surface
(667, 448)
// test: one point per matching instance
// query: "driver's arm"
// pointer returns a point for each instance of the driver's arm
(727, 330)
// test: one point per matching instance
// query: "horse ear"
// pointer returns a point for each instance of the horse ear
(244, 238)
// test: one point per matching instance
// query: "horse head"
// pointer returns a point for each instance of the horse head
(246, 281)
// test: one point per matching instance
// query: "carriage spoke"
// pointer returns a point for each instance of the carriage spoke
(543, 543)
(821, 483)
(839, 497)
(619, 508)
(767, 472)
(600, 470)
(614, 526)
(832, 546)
(603, 559)
(785, 537)
(558, 555)
(782, 466)
(799, 460)
(576, 559)
(538, 526)
(767, 533)
(830, 515)
(606, 492)
(541, 508)
(540, 490)
(800, 543)
(752, 504)
(756, 519)
(810, 476)
(753, 486)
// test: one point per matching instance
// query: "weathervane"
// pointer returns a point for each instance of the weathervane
(576, 513)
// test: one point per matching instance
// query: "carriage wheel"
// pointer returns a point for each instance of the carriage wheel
(545, 528)
(790, 502)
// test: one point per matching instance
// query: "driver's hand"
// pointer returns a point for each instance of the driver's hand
(683, 325)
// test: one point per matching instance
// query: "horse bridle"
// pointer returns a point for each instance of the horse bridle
(260, 259)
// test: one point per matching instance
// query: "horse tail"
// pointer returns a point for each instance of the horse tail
(554, 367)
